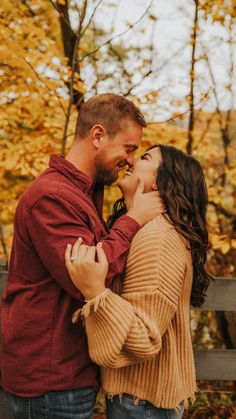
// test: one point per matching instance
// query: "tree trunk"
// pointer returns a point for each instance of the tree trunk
(69, 39)
(192, 79)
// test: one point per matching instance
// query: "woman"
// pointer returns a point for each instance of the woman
(141, 338)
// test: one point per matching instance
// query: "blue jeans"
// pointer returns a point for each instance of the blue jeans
(71, 404)
(126, 409)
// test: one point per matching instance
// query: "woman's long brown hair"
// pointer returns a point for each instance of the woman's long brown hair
(181, 183)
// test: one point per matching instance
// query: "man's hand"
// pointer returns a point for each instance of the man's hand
(87, 274)
(145, 206)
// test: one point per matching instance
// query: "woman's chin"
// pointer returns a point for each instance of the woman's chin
(127, 188)
(121, 185)
(124, 185)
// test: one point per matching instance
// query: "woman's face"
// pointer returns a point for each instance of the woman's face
(144, 168)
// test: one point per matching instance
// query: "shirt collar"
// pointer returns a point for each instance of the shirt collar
(78, 178)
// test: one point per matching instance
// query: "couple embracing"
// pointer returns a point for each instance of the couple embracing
(90, 305)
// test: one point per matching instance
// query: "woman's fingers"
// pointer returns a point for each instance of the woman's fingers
(90, 254)
(67, 256)
(82, 251)
(87, 274)
(101, 255)
(75, 248)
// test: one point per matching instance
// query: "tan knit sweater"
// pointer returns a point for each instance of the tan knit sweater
(142, 338)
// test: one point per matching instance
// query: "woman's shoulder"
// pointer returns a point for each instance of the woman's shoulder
(161, 231)
(156, 249)
(159, 225)
(161, 221)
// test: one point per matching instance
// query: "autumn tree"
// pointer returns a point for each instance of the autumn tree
(44, 62)
(55, 53)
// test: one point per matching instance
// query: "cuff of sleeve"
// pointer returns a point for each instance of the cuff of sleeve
(112, 310)
(98, 297)
(94, 302)
(107, 306)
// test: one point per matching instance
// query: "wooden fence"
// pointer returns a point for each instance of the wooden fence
(211, 364)
(218, 364)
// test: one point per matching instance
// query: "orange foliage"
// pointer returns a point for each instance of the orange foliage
(34, 98)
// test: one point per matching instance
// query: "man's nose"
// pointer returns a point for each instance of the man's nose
(130, 160)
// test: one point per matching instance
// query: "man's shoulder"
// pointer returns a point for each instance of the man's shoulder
(45, 184)
(51, 184)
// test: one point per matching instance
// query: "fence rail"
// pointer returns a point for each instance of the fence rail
(211, 364)
(218, 364)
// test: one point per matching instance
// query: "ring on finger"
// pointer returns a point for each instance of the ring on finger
(73, 258)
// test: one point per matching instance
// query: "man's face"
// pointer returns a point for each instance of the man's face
(117, 152)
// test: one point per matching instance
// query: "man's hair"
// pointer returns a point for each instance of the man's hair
(108, 110)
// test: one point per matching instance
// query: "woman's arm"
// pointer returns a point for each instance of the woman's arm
(123, 330)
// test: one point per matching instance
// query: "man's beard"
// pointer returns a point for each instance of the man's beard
(105, 176)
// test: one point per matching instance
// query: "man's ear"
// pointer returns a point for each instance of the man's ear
(154, 187)
(97, 132)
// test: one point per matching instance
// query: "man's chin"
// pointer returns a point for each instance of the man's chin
(107, 180)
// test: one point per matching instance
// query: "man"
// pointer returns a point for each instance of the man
(46, 370)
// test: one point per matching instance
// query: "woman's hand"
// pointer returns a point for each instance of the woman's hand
(87, 274)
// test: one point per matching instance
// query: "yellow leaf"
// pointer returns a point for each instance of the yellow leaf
(225, 248)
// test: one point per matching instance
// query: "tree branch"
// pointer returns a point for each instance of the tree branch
(71, 98)
(150, 70)
(189, 145)
(61, 14)
(180, 114)
(145, 75)
(231, 71)
(223, 129)
(45, 85)
(74, 66)
(204, 131)
(82, 14)
(91, 17)
(118, 35)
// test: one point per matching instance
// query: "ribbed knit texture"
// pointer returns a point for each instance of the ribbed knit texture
(142, 338)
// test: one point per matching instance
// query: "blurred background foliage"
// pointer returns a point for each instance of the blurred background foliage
(54, 54)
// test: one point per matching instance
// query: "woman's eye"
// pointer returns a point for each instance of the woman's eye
(143, 157)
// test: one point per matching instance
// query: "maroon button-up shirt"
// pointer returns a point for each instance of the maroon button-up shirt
(41, 349)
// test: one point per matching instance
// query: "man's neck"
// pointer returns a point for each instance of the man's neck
(80, 157)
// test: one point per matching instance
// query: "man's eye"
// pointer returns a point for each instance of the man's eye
(143, 157)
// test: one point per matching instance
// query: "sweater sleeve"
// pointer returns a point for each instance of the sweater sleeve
(123, 330)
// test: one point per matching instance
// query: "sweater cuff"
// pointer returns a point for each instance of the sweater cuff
(107, 307)
(103, 293)
(94, 302)
(111, 310)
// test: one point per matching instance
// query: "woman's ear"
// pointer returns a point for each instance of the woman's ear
(154, 187)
